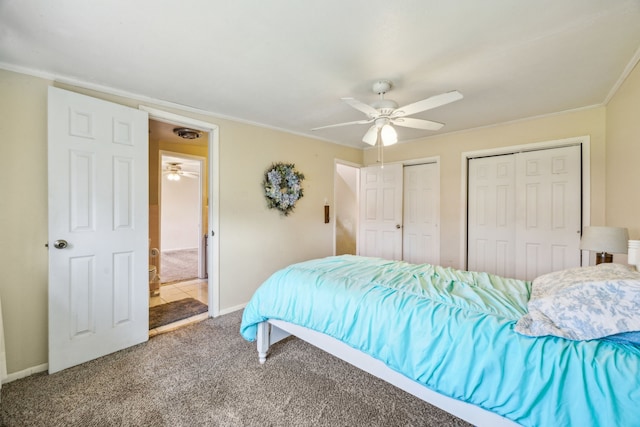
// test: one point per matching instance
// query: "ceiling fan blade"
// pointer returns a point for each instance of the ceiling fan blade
(371, 137)
(357, 122)
(427, 104)
(409, 122)
(361, 106)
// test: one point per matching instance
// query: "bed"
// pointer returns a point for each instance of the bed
(484, 348)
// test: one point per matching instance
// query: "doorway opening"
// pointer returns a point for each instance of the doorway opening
(182, 241)
(178, 224)
(345, 224)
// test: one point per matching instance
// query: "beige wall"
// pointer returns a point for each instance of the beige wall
(451, 146)
(254, 241)
(23, 218)
(623, 156)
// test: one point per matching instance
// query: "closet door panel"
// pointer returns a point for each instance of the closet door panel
(380, 228)
(548, 188)
(491, 216)
(421, 232)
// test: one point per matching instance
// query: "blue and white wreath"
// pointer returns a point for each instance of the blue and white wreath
(282, 187)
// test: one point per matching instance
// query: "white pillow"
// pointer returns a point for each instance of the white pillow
(583, 303)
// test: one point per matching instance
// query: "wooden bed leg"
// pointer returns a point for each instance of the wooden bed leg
(263, 341)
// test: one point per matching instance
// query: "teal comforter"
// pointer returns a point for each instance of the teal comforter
(453, 331)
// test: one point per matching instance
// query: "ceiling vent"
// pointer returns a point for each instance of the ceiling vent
(186, 133)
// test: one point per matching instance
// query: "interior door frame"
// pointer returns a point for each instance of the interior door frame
(584, 141)
(213, 168)
(201, 160)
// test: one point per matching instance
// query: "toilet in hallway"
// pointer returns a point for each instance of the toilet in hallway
(154, 279)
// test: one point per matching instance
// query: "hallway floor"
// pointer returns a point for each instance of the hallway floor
(195, 288)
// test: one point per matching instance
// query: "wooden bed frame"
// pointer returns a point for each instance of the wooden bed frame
(272, 331)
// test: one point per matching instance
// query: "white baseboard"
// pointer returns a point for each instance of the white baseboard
(26, 372)
(232, 309)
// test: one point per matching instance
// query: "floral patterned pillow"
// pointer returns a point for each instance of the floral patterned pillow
(584, 303)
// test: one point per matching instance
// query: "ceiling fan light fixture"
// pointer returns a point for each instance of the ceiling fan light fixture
(173, 176)
(386, 112)
(388, 135)
(187, 133)
(371, 137)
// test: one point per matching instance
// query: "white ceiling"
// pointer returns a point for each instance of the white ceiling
(285, 64)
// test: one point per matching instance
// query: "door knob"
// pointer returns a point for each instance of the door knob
(398, 226)
(60, 244)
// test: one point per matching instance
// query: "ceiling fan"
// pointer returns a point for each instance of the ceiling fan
(384, 113)
(174, 172)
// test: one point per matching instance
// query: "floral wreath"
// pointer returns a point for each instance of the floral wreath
(282, 187)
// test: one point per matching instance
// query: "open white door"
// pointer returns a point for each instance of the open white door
(380, 222)
(98, 228)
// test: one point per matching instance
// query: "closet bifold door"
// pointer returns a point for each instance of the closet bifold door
(548, 206)
(524, 212)
(491, 221)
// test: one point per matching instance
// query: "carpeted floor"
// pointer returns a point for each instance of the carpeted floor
(207, 375)
(178, 265)
(163, 314)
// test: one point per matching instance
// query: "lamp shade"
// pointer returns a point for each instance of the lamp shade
(371, 137)
(605, 239)
(388, 135)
